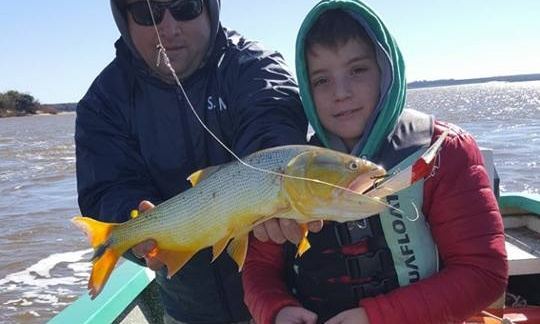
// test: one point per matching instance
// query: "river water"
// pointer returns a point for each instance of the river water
(43, 264)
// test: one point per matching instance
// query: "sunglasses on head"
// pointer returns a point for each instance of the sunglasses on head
(181, 10)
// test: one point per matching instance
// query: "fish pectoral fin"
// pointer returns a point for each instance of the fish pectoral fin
(303, 245)
(174, 260)
(237, 249)
(200, 175)
(218, 248)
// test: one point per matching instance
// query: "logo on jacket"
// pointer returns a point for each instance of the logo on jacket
(213, 105)
(399, 227)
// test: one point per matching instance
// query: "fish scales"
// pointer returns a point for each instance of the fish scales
(231, 195)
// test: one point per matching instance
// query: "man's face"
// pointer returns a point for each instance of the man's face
(345, 87)
(186, 42)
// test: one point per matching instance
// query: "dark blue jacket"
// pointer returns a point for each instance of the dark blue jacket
(137, 139)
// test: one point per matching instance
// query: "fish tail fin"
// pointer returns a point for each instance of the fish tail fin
(96, 231)
(105, 256)
(101, 270)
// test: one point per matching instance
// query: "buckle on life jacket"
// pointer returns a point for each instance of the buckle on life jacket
(352, 232)
(369, 264)
(371, 289)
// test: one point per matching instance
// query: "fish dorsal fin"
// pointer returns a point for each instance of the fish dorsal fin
(237, 249)
(200, 175)
(218, 248)
(174, 260)
(303, 245)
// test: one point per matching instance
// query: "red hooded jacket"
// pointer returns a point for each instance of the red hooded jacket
(466, 225)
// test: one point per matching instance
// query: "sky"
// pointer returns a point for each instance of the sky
(54, 49)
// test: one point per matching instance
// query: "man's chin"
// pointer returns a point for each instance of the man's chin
(165, 71)
(181, 70)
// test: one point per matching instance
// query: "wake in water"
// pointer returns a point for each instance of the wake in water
(52, 283)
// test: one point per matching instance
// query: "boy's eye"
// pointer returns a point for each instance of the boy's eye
(318, 82)
(359, 70)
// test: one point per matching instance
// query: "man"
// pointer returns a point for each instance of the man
(138, 140)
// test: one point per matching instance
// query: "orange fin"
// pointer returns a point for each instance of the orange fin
(218, 248)
(303, 245)
(174, 260)
(96, 231)
(200, 175)
(101, 270)
(237, 249)
(105, 256)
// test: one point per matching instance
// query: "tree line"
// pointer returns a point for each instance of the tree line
(14, 103)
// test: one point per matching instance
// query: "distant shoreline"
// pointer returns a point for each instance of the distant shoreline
(53, 109)
(450, 82)
(45, 109)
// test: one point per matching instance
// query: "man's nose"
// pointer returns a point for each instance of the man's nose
(168, 26)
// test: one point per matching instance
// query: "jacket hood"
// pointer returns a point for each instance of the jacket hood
(213, 7)
(393, 84)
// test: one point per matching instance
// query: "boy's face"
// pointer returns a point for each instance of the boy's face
(345, 87)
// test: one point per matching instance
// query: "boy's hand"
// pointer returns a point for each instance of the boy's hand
(146, 249)
(280, 230)
(295, 315)
(351, 316)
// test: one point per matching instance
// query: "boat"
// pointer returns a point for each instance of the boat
(131, 294)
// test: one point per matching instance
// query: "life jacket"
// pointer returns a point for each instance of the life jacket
(400, 247)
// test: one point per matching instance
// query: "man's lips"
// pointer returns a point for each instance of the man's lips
(174, 48)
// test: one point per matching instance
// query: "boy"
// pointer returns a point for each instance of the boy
(384, 269)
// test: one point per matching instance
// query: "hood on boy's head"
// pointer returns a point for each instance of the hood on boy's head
(393, 84)
(213, 7)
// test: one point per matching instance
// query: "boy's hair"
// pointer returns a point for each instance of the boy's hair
(334, 28)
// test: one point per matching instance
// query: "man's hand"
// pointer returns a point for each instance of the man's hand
(280, 230)
(295, 315)
(146, 249)
(351, 316)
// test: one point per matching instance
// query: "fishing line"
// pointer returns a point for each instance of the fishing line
(500, 319)
(162, 57)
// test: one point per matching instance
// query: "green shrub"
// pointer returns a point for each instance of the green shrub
(19, 102)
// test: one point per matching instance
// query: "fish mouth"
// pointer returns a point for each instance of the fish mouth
(361, 184)
(366, 181)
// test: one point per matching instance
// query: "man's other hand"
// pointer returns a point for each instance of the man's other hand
(281, 230)
(147, 249)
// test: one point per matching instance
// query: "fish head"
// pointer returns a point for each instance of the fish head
(326, 184)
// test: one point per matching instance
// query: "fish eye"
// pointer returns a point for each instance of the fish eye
(353, 166)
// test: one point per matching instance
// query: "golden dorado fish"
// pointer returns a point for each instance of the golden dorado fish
(227, 201)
